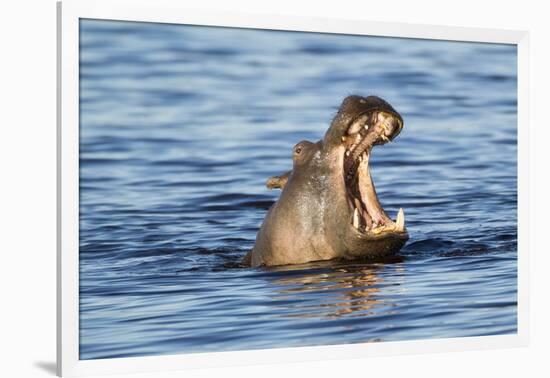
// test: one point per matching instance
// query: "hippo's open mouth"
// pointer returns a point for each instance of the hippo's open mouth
(366, 131)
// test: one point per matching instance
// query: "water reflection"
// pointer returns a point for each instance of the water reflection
(342, 290)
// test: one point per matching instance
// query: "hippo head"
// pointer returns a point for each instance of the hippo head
(328, 207)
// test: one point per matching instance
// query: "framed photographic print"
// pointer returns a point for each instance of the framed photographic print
(217, 198)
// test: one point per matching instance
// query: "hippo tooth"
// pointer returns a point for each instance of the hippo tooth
(356, 218)
(348, 152)
(366, 126)
(378, 229)
(343, 138)
(400, 220)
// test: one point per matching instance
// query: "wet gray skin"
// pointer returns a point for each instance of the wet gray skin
(328, 206)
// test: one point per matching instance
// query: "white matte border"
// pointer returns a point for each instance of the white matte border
(170, 11)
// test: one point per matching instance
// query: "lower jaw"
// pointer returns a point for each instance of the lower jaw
(364, 246)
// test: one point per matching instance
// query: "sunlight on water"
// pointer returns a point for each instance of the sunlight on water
(180, 128)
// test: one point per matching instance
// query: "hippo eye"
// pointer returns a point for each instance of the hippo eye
(297, 150)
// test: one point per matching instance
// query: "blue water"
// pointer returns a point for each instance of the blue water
(181, 126)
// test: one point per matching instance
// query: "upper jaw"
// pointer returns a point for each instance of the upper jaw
(354, 108)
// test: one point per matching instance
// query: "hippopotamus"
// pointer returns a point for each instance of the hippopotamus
(328, 207)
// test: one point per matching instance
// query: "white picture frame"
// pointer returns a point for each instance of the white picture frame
(170, 11)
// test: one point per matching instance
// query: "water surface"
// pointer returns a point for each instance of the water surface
(182, 125)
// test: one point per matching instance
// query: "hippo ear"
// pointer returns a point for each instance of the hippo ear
(278, 182)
